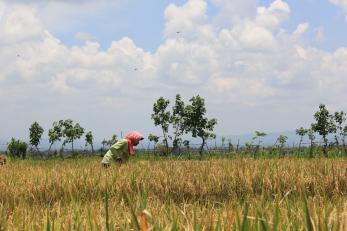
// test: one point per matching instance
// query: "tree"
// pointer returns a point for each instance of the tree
(311, 137)
(35, 134)
(340, 118)
(177, 121)
(324, 125)
(301, 132)
(162, 117)
(344, 138)
(17, 148)
(55, 133)
(197, 123)
(112, 141)
(103, 143)
(89, 140)
(258, 135)
(153, 138)
(282, 139)
(71, 132)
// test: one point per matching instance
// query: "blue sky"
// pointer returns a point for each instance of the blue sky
(143, 21)
(260, 65)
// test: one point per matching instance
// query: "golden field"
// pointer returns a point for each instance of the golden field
(239, 193)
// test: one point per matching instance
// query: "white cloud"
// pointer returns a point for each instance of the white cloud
(251, 63)
(231, 11)
(301, 28)
(274, 15)
(19, 23)
(342, 4)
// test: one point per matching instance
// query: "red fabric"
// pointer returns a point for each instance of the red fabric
(133, 137)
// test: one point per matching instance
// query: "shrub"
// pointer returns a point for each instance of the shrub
(17, 148)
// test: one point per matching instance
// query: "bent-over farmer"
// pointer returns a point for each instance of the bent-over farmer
(122, 149)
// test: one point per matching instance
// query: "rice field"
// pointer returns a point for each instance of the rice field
(240, 193)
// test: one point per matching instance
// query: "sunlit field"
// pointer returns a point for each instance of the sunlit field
(217, 194)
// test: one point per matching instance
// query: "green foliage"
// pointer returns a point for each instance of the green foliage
(301, 132)
(55, 133)
(258, 135)
(153, 138)
(177, 121)
(324, 125)
(112, 141)
(71, 132)
(282, 139)
(35, 134)
(340, 118)
(183, 119)
(89, 139)
(161, 117)
(17, 148)
(197, 123)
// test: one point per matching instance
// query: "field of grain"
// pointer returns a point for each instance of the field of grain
(217, 194)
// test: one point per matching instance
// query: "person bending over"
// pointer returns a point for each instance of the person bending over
(122, 149)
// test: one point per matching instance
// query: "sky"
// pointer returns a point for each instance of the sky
(261, 65)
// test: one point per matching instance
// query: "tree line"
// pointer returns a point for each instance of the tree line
(184, 118)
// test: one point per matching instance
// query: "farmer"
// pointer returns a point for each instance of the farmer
(122, 149)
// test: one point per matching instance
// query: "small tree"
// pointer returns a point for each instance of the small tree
(112, 141)
(17, 148)
(258, 135)
(344, 134)
(153, 138)
(340, 118)
(103, 143)
(162, 117)
(89, 140)
(324, 125)
(311, 137)
(177, 120)
(35, 134)
(282, 139)
(301, 132)
(71, 132)
(197, 123)
(55, 133)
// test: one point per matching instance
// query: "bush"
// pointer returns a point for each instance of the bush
(17, 148)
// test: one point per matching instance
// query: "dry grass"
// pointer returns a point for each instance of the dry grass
(240, 193)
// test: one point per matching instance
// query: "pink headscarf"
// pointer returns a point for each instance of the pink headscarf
(133, 137)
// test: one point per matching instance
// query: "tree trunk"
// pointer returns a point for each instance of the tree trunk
(49, 149)
(301, 138)
(166, 143)
(311, 149)
(72, 145)
(325, 151)
(202, 146)
(344, 146)
(38, 151)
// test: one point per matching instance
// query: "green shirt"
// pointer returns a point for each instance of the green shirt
(116, 151)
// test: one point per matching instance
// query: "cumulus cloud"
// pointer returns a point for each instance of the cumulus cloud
(341, 3)
(251, 63)
(231, 11)
(301, 28)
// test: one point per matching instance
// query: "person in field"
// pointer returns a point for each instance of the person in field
(2, 160)
(122, 149)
